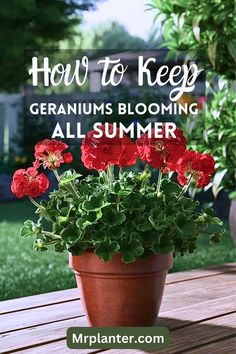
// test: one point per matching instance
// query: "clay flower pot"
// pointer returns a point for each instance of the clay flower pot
(119, 294)
(232, 220)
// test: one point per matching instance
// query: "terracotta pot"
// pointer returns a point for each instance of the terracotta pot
(232, 220)
(119, 294)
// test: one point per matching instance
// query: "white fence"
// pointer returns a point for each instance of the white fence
(10, 111)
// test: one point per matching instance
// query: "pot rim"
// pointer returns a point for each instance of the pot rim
(89, 262)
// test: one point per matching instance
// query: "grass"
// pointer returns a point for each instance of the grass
(24, 272)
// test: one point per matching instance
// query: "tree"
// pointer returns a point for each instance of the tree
(29, 26)
(113, 36)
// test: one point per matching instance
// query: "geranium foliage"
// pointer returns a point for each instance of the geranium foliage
(124, 213)
(129, 218)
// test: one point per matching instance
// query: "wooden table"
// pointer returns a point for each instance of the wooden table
(198, 307)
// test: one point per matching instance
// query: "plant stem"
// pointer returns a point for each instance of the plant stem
(56, 175)
(117, 203)
(185, 188)
(74, 191)
(120, 172)
(35, 203)
(159, 183)
(110, 172)
(54, 236)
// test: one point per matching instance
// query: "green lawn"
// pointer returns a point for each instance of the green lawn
(25, 272)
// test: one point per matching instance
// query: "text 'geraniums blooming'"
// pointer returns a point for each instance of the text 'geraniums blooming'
(121, 212)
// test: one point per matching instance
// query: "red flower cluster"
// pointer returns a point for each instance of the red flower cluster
(161, 153)
(99, 153)
(49, 153)
(197, 166)
(29, 183)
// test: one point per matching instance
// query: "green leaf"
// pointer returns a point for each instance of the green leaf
(77, 249)
(94, 203)
(186, 225)
(68, 177)
(39, 245)
(130, 249)
(158, 218)
(125, 191)
(133, 202)
(232, 48)
(82, 223)
(112, 217)
(209, 212)
(165, 246)
(146, 226)
(88, 219)
(117, 231)
(141, 222)
(69, 234)
(170, 187)
(106, 249)
(93, 216)
(60, 247)
(27, 229)
(216, 237)
(188, 204)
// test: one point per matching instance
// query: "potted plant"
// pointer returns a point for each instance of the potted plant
(120, 228)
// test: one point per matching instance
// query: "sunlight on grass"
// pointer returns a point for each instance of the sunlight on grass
(25, 272)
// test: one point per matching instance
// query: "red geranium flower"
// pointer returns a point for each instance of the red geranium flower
(49, 153)
(197, 166)
(129, 153)
(29, 182)
(99, 153)
(161, 153)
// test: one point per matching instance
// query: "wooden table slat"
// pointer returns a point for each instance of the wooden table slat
(204, 310)
(72, 294)
(59, 347)
(35, 336)
(227, 346)
(194, 336)
(29, 302)
(38, 316)
(201, 285)
(193, 297)
(197, 306)
(171, 302)
(201, 272)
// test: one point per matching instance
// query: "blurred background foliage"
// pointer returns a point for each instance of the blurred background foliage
(114, 36)
(213, 131)
(34, 25)
(204, 30)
